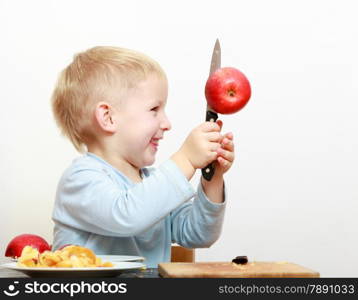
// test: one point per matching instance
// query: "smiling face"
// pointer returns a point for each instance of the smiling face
(142, 121)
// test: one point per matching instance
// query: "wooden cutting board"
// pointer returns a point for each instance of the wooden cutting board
(232, 270)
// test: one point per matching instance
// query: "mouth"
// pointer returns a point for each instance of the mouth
(155, 142)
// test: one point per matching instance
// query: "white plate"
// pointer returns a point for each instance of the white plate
(118, 268)
(111, 258)
(119, 258)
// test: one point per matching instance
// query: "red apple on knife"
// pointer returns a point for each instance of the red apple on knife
(227, 90)
(16, 245)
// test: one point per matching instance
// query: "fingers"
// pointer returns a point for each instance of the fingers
(211, 126)
(210, 156)
(227, 142)
(229, 135)
(214, 147)
(214, 136)
(223, 143)
(226, 155)
(213, 131)
(223, 162)
(221, 147)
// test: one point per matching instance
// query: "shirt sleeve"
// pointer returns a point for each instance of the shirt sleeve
(89, 200)
(198, 223)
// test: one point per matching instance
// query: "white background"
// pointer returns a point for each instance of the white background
(292, 192)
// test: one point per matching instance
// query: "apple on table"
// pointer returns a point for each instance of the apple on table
(19, 242)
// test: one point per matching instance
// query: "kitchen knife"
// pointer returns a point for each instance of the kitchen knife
(211, 115)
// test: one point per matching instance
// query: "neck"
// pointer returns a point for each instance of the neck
(132, 172)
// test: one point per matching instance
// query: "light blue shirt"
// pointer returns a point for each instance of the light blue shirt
(98, 207)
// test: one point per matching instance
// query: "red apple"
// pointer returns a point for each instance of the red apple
(14, 248)
(227, 90)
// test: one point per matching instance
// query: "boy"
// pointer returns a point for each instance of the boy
(111, 101)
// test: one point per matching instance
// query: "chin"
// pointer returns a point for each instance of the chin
(149, 162)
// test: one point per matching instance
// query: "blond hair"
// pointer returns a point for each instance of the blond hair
(89, 79)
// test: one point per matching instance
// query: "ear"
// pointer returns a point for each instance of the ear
(105, 117)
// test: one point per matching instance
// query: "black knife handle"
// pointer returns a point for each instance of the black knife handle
(209, 170)
(211, 116)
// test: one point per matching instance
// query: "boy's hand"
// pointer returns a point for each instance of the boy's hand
(202, 143)
(199, 148)
(214, 189)
(225, 153)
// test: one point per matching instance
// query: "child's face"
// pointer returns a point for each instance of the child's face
(142, 121)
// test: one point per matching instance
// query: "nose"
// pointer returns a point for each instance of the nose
(165, 124)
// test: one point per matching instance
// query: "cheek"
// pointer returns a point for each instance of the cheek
(143, 131)
(149, 125)
(140, 128)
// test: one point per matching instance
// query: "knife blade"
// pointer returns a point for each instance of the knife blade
(211, 115)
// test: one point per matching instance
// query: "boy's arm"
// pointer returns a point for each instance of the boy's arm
(89, 200)
(198, 223)
(214, 189)
(183, 164)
